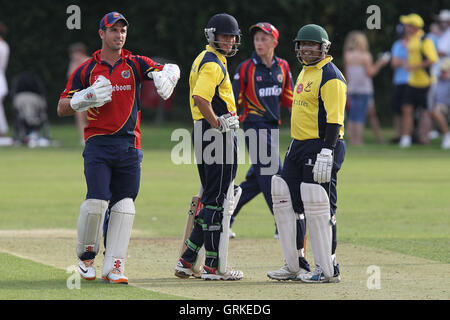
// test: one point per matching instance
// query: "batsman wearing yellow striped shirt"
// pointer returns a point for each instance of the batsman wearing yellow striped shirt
(215, 121)
(306, 186)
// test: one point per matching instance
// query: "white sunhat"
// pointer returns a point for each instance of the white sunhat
(444, 15)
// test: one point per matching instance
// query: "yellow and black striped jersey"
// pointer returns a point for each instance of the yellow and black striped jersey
(209, 79)
(320, 95)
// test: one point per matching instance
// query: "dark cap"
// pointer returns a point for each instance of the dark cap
(110, 18)
(223, 23)
(267, 28)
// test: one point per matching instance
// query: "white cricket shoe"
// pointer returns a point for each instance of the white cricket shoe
(86, 269)
(213, 274)
(183, 270)
(446, 141)
(231, 234)
(284, 273)
(116, 276)
(317, 276)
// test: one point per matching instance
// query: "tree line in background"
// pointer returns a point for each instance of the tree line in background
(39, 37)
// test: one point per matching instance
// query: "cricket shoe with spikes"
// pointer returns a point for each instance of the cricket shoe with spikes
(116, 276)
(284, 273)
(317, 276)
(86, 269)
(210, 273)
(184, 270)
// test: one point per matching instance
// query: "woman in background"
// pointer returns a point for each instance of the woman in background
(359, 70)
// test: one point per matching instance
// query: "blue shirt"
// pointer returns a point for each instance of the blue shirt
(400, 74)
(261, 90)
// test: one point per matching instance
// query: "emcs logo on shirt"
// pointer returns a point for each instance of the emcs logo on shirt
(270, 91)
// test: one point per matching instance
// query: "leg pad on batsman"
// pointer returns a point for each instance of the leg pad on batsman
(318, 220)
(230, 202)
(119, 233)
(90, 222)
(286, 220)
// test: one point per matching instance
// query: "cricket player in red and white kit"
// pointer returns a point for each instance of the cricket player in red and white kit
(107, 86)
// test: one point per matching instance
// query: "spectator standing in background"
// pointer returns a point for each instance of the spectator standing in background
(399, 60)
(421, 56)
(442, 102)
(443, 47)
(359, 70)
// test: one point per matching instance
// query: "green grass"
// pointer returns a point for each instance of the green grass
(389, 199)
(31, 280)
(396, 200)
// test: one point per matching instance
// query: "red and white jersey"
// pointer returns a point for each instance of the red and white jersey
(116, 122)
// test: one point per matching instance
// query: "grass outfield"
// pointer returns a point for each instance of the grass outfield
(394, 212)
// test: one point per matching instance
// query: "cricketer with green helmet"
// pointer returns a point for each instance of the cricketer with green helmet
(315, 34)
(307, 182)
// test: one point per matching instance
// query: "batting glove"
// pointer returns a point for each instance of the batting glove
(166, 79)
(322, 167)
(94, 96)
(227, 122)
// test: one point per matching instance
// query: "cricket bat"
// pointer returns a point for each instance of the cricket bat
(194, 208)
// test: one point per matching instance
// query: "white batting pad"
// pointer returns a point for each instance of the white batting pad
(318, 220)
(90, 222)
(286, 221)
(228, 209)
(119, 232)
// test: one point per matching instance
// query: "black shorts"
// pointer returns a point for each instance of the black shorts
(417, 97)
(398, 98)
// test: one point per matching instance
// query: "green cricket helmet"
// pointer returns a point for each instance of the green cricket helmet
(313, 33)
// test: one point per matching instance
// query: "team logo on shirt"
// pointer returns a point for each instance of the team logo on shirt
(258, 78)
(308, 86)
(270, 91)
(280, 78)
(300, 88)
(126, 74)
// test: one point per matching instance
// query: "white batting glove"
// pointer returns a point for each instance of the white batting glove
(227, 122)
(94, 96)
(322, 167)
(166, 79)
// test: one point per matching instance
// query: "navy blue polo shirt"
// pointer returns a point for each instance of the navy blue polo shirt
(260, 90)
